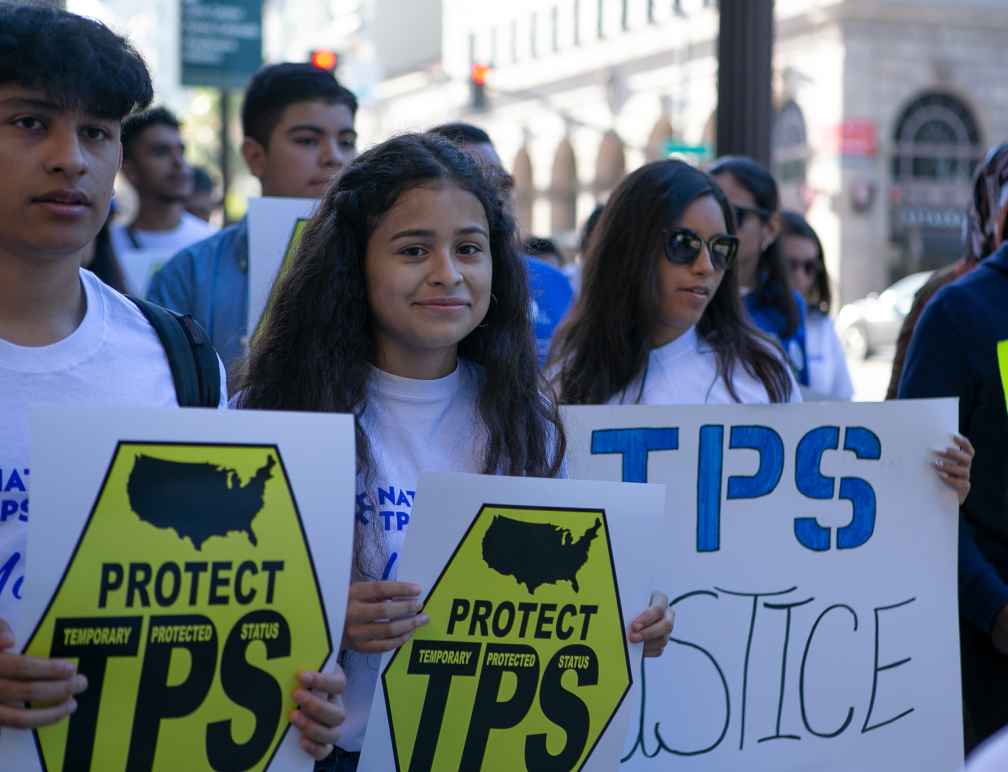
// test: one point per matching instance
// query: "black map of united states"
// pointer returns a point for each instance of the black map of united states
(536, 553)
(196, 500)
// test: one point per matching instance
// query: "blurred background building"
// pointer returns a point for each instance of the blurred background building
(882, 108)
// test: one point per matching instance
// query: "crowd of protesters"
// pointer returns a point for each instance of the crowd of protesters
(412, 295)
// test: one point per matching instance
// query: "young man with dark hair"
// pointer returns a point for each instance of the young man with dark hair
(154, 164)
(299, 137)
(551, 291)
(66, 83)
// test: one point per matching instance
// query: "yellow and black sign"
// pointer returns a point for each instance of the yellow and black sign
(190, 603)
(1002, 354)
(524, 661)
(293, 242)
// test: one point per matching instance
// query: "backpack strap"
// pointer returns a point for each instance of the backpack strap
(193, 361)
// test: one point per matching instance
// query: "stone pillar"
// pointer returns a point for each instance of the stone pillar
(745, 62)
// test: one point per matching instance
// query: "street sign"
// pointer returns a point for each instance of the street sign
(221, 42)
(672, 147)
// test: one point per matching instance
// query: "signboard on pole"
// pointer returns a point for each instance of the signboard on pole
(221, 42)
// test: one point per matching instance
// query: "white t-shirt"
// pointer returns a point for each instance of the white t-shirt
(829, 378)
(684, 372)
(414, 426)
(113, 358)
(142, 253)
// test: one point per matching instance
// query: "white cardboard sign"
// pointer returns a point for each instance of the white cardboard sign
(272, 224)
(811, 558)
(446, 523)
(145, 523)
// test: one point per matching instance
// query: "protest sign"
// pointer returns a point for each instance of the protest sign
(275, 226)
(811, 562)
(191, 563)
(1002, 354)
(531, 586)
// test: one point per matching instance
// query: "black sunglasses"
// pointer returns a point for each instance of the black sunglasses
(684, 246)
(741, 212)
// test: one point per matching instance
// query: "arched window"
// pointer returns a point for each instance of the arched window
(563, 189)
(660, 135)
(936, 139)
(610, 166)
(524, 189)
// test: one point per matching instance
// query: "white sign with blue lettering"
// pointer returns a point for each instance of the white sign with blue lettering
(812, 567)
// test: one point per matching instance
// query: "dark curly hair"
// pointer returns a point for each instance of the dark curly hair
(604, 342)
(314, 351)
(77, 62)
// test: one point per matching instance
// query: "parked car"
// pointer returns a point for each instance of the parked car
(871, 324)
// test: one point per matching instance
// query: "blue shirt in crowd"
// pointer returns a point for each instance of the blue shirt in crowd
(551, 297)
(771, 321)
(953, 353)
(209, 280)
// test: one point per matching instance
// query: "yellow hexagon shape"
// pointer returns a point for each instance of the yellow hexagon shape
(524, 661)
(190, 603)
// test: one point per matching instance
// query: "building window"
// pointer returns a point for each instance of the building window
(563, 190)
(514, 41)
(625, 15)
(936, 139)
(555, 28)
(577, 22)
(472, 48)
(600, 19)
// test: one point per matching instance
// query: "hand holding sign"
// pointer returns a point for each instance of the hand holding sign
(954, 464)
(654, 626)
(381, 616)
(320, 711)
(48, 682)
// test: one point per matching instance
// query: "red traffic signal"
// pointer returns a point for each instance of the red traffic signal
(324, 58)
(477, 86)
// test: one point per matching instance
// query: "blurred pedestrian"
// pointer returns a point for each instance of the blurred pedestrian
(299, 138)
(990, 195)
(154, 164)
(99, 258)
(954, 353)
(802, 253)
(544, 249)
(204, 201)
(772, 304)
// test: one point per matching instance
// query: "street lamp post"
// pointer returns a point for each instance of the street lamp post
(745, 64)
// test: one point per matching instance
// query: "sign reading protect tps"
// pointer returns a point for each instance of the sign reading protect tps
(811, 562)
(525, 662)
(191, 598)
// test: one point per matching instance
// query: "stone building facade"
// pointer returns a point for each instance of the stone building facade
(884, 107)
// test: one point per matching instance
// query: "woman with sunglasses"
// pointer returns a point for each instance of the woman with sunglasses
(772, 304)
(659, 319)
(802, 253)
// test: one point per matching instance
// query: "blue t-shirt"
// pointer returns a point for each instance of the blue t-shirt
(771, 321)
(551, 297)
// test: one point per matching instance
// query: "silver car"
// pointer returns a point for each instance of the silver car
(872, 324)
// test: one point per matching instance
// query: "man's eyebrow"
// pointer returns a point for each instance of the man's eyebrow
(305, 127)
(31, 104)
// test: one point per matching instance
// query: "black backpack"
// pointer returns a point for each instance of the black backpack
(193, 361)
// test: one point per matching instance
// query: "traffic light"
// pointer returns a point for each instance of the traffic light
(325, 59)
(477, 86)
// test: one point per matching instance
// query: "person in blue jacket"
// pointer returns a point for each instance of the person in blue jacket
(766, 292)
(954, 353)
(550, 289)
(298, 123)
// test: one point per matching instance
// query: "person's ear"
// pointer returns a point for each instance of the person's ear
(255, 157)
(771, 231)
